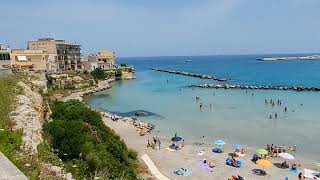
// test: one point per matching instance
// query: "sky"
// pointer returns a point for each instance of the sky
(167, 27)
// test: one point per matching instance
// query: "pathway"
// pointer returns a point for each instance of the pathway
(154, 170)
(8, 171)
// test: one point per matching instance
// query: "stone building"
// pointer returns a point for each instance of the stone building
(104, 59)
(32, 60)
(5, 59)
(67, 55)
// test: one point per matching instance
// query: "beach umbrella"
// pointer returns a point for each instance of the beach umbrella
(219, 142)
(286, 156)
(261, 151)
(311, 174)
(263, 163)
(176, 138)
(235, 146)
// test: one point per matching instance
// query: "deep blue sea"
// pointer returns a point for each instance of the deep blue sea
(236, 116)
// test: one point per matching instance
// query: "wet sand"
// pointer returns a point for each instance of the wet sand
(167, 161)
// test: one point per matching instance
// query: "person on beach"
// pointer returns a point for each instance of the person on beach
(148, 145)
(210, 105)
(270, 116)
(301, 177)
(182, 143)
(154, 142)
(159, 143)
(285, 109)
(276, 115)
(200, 105)
(167, 81)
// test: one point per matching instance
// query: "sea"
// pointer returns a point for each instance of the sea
(235, 116)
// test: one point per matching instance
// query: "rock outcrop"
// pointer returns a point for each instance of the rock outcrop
(68, 81)
(142, 128)
(28, 115)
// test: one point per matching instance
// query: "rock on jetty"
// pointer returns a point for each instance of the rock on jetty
(236, 86)
(202, 76)
(142, 128)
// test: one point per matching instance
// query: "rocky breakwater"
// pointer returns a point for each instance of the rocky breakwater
(183, 73)
(142, 128)
(236, 86)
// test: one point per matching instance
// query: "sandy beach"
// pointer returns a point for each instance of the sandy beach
(167, 161)
(187, 157)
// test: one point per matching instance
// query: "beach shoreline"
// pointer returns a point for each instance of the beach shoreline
(167, 161)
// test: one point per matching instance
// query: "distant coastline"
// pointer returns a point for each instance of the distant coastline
(312, 57)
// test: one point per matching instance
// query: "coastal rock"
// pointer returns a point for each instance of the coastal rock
(140, 113)
(28, 115)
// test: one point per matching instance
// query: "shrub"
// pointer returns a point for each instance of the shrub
(86, 145)
(98, 73)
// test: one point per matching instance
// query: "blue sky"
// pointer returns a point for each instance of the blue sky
(167, 27)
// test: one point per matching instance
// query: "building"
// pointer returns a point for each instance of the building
(106, 59)
(67, 55)
(90, 62)
(5, 59)
(32, 60)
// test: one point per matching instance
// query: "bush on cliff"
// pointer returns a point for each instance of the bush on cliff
(83, 141)
(99, 74)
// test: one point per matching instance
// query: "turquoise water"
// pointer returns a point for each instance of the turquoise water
(236, 116)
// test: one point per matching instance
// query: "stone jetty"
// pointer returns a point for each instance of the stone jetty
(237, 86)
(183, 73)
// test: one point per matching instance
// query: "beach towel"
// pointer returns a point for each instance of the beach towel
(186, 172)
(205, 166)
(201, 153)
(169, 149)
(240, 154)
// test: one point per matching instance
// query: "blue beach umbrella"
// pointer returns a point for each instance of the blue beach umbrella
(176, 139)
(235, 146)
(219, 142)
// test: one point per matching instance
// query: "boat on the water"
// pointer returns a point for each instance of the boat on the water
(188, 60)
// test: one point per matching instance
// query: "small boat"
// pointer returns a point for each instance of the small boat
(188, 60)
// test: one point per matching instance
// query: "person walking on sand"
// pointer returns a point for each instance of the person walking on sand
(159, 143)
(182, 143)
(200, 105)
